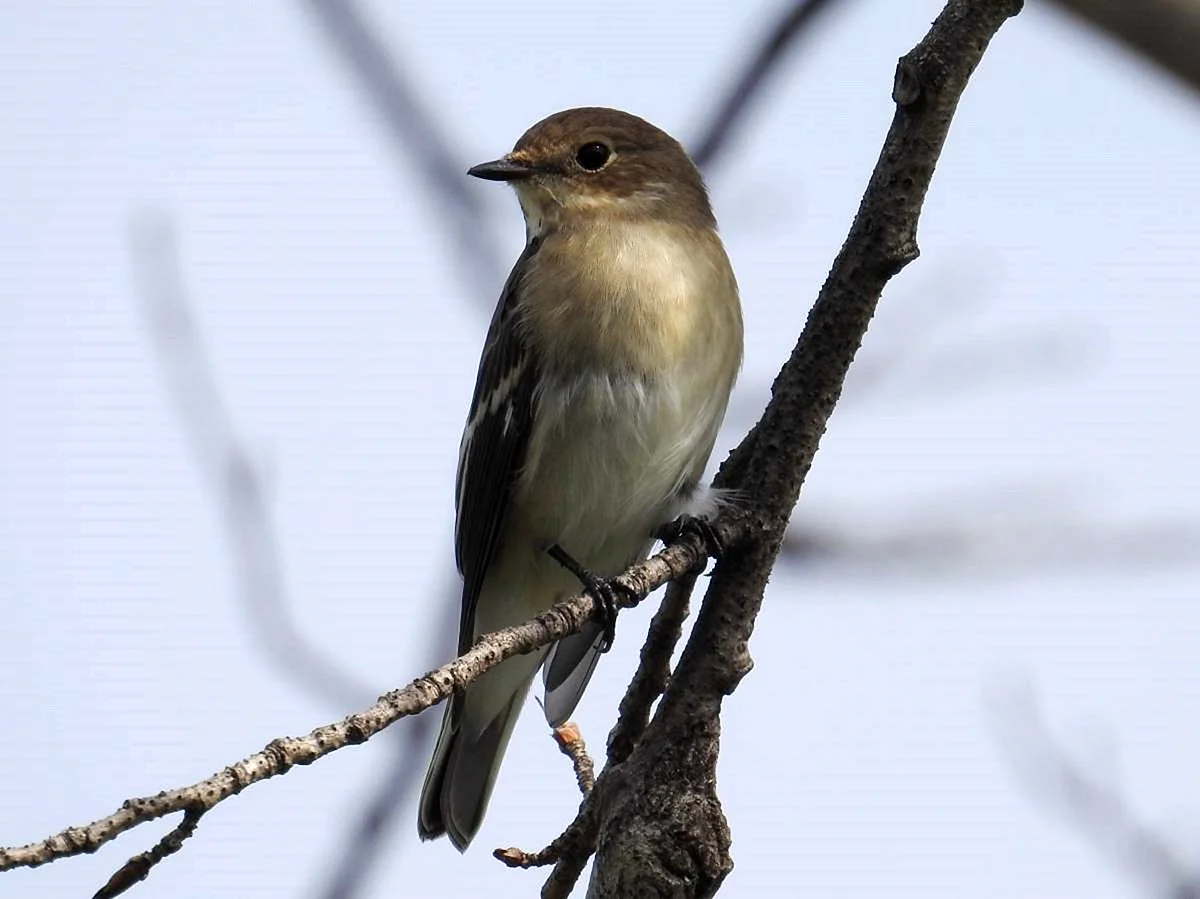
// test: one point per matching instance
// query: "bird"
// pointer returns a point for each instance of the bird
(604, 378)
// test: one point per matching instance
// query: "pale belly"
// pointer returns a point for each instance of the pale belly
(607, 468)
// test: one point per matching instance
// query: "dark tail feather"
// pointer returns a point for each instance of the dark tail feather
(568, 669)
(475, 732)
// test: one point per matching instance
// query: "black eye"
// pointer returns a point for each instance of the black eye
(593, 156)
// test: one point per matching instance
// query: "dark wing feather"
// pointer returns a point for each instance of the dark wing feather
(494, 443)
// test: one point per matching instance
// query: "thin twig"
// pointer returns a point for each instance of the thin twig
(573, 845)
(570, 743)
(1005, 530)
(727, 118)
(366, 837)
(138, 867)
(567, 870)
(570, 852)
(228, 467)
(654, 669)
(281, 755)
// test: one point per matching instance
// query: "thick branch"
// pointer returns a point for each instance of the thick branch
(280, 755)
(662, 830)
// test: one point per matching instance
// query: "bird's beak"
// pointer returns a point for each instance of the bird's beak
(503, 169)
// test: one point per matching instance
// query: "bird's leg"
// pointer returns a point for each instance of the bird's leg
(701, 527)
(601, 590)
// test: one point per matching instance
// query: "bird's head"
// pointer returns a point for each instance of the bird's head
(592, 162)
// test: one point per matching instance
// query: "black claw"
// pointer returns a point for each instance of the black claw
(604, 592)
(690, 524)
(607, 597)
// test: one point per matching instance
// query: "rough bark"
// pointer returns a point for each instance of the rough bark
(662, 831)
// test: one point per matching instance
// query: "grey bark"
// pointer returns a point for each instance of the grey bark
(661, 829)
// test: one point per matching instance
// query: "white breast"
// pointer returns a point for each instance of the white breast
(607, 463)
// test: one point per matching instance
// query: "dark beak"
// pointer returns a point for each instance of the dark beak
(502, 170)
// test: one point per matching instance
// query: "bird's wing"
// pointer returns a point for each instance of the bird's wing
(493, 443)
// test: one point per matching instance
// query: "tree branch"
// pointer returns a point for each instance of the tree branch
(662, 831)
(654, 669)
(570, 851)
(281, 755)
(138, 868)
(570, 743)
(386, 802)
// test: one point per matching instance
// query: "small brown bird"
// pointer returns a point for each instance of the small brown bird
(604, 379)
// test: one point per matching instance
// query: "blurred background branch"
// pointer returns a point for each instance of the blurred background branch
(995, 532)
(422, 146)
(1166, 32)
(237, 487)
(228, 467)
(1091, 803)
(389, 803)
(729, 115)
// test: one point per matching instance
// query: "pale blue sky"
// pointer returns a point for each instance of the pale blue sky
(1013, 500)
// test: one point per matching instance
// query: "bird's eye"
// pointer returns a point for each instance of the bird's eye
(592, 156)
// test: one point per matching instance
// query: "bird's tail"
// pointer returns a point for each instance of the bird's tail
(470, 747)
(569, 667)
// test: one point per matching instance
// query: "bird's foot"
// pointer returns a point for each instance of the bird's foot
(601, 590)
(701, 527)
